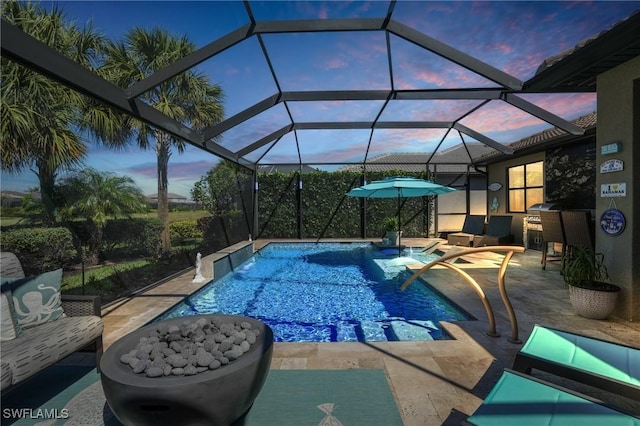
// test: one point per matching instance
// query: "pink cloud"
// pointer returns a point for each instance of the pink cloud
(434, 78)
(499, 117)
(322, 12)
(143, 169)
(334, 63)
(469, 78)
(405, 140)
(503, 48)
(335, 155)
(568, 105)
(525, 66)
(190, 169)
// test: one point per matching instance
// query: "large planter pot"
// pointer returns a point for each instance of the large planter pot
(593, 304)
(392, 237)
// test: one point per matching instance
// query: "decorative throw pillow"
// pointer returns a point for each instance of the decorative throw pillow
(37, 300)
(9, 328)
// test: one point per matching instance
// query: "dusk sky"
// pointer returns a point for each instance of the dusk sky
(514, 37)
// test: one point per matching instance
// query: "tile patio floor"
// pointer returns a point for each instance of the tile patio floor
(428, 379)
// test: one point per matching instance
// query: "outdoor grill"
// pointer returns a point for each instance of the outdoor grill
(532, 224)
(533, 212)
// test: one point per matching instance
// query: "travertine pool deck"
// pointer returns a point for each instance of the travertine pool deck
(428, 378)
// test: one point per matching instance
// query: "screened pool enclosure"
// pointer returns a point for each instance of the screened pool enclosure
(319, 102)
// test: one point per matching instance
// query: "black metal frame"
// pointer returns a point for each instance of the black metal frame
(571, 72)
(24, 49)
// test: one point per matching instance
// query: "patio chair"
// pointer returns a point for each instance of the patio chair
(498, 232)
(578, 229)
(473, 225)
(522, 400)
(610, 366)
(552, 232)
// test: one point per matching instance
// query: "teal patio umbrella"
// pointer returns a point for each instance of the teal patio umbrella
(399, 187)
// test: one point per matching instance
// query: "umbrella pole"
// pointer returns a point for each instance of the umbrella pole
(399, 223)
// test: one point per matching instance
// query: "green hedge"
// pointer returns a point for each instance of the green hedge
(129, 237)
(221, 232)
(325, 210)
(40, 249)
(184, 229)
(134, 236)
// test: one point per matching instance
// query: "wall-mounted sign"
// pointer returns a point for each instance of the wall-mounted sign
(611, 148)
(613, 189)
(495, 186)
(612, 222)
(611, 166)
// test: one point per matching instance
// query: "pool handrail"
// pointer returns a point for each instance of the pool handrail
(459, 251)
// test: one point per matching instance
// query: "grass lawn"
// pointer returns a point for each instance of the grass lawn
(9, 221)
(152, 214)
(98, 274)
(175, 216)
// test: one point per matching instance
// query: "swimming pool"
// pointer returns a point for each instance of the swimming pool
(327, 292)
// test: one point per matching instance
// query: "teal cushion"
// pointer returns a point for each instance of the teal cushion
(516, 400)
(9, 328)
(37, 299)
(595, 356)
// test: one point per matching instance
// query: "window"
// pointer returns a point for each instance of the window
(525, 186)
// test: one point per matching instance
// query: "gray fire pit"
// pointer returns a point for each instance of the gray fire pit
(214, 397)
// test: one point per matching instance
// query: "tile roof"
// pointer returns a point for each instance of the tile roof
(578, 67)
(456, 159)
(587, 121)
(452, 160)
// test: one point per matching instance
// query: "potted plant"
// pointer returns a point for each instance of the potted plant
(390, 226)
(586, 275)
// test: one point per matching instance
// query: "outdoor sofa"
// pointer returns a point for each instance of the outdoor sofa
(39, 326)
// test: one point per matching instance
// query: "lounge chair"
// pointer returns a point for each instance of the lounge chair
(431, 246)
(473, 225)
(517, 399)
(605, 365)
(498, 232)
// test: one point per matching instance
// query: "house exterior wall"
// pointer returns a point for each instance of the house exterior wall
(619, 121)
(497, 172)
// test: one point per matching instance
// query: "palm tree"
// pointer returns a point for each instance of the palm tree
(189, 97)
(40, 117)
(95, 197)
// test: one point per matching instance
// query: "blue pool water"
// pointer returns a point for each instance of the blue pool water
(328, 292)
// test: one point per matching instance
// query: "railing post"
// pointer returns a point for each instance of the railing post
(443, 261)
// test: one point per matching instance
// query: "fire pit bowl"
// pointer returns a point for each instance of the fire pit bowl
(214, 397)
